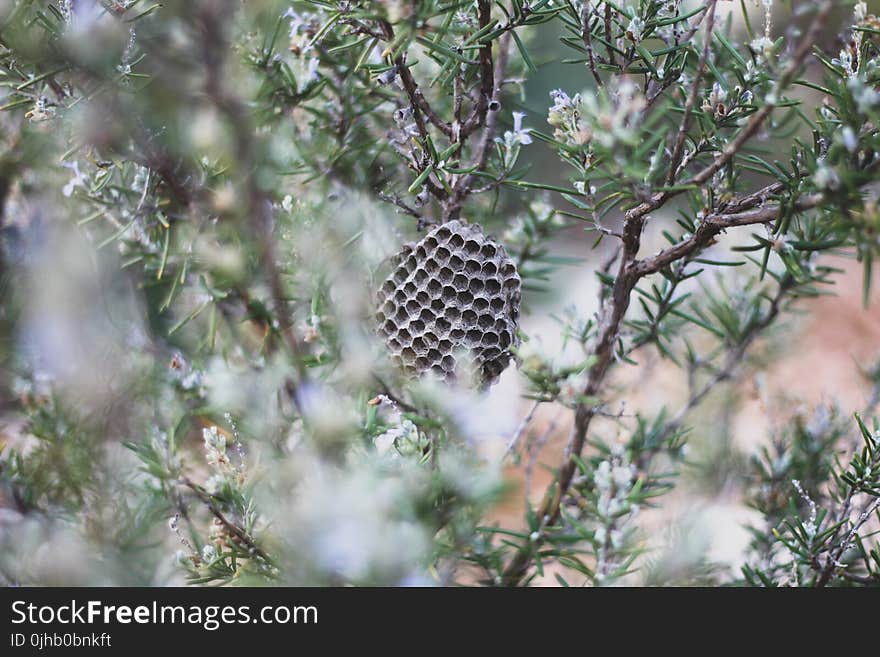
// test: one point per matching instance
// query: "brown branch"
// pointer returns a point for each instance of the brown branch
(487, 74)
(696, 87)
(751, 128)
(208, 500)
(587, 38)
(417, 100)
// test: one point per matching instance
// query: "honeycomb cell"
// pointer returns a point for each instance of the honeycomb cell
(455, 290)
(473, 267)
(489, 339)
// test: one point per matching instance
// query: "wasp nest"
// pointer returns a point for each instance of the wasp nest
(451, 304)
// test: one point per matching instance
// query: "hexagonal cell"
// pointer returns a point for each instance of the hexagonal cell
(419, 345)
(412, 306)
(473, 336)
(504, 339)
(445, 346)
(472, 247)
(472, 267)
(493, 286)
(400, 275)
(448, 293)
(489, 338)
(411, 264)
(448, 363)
(416, 326)
(408, 355)
(442, 324)
(427, 315)
(508, 269)
(423, 362)
(400, 296)
(465, 298)
(445, 274)
(456, 241)
(475, 286)
(489, 269)
(434, 355)
(401, 316)
(420, 276)
(485, 322)
(394, 344)
(434, 287)
(488, 250)
(438, 306)
(491, 353)
(469, 317)
(480, 304)
(423, 297)
(442, 254)
(457, 334)
(421, 253)
(431, 266)
(388, 308)
(389, 327)
(456, 263)
(460, 282)
(430, 339)
(410, 289)
(497, 304)
(511, 284)
(452, 313)
(500, 324)
(403, 336)
(388, 288)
